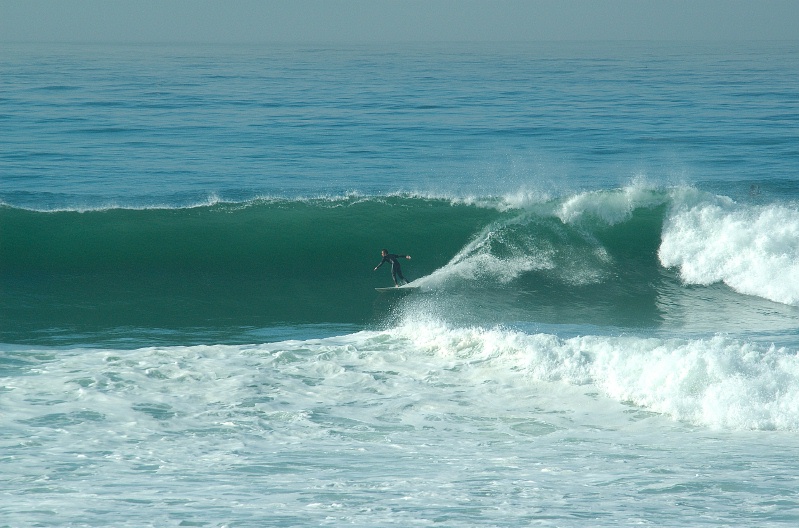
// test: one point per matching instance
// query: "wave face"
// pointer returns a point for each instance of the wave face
(255, 264)
(629, 257)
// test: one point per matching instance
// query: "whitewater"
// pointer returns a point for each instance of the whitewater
(606, 244)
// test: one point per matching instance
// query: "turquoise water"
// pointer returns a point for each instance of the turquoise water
(605, 239)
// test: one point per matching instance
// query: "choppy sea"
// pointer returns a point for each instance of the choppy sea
(605, 237)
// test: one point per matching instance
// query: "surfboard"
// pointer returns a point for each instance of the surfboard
(405, 288)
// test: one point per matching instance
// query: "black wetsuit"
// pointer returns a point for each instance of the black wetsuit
(396, 270)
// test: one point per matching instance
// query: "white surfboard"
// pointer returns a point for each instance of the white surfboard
(404, 288)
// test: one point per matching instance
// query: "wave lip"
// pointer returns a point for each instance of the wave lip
(611, 207)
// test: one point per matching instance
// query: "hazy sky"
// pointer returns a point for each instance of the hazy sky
(394, 20)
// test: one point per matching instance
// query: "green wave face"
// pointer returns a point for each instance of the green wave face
(254, 264)
(594, 258)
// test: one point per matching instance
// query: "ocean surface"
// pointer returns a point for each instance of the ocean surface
(605, 237)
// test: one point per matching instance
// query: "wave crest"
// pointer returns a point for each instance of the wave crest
(752, 249)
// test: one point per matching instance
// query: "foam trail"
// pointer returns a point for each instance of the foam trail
(478, 261)
(558, 236)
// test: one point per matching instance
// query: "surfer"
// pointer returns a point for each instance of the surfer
(396, 270)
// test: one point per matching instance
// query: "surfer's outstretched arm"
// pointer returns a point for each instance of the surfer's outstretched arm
(388, 257)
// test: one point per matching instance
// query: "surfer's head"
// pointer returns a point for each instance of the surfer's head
(384, 252)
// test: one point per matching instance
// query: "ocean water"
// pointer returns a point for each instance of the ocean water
(605, 237)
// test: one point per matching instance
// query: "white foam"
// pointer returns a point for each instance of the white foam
(717, 382)
(752, 249)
